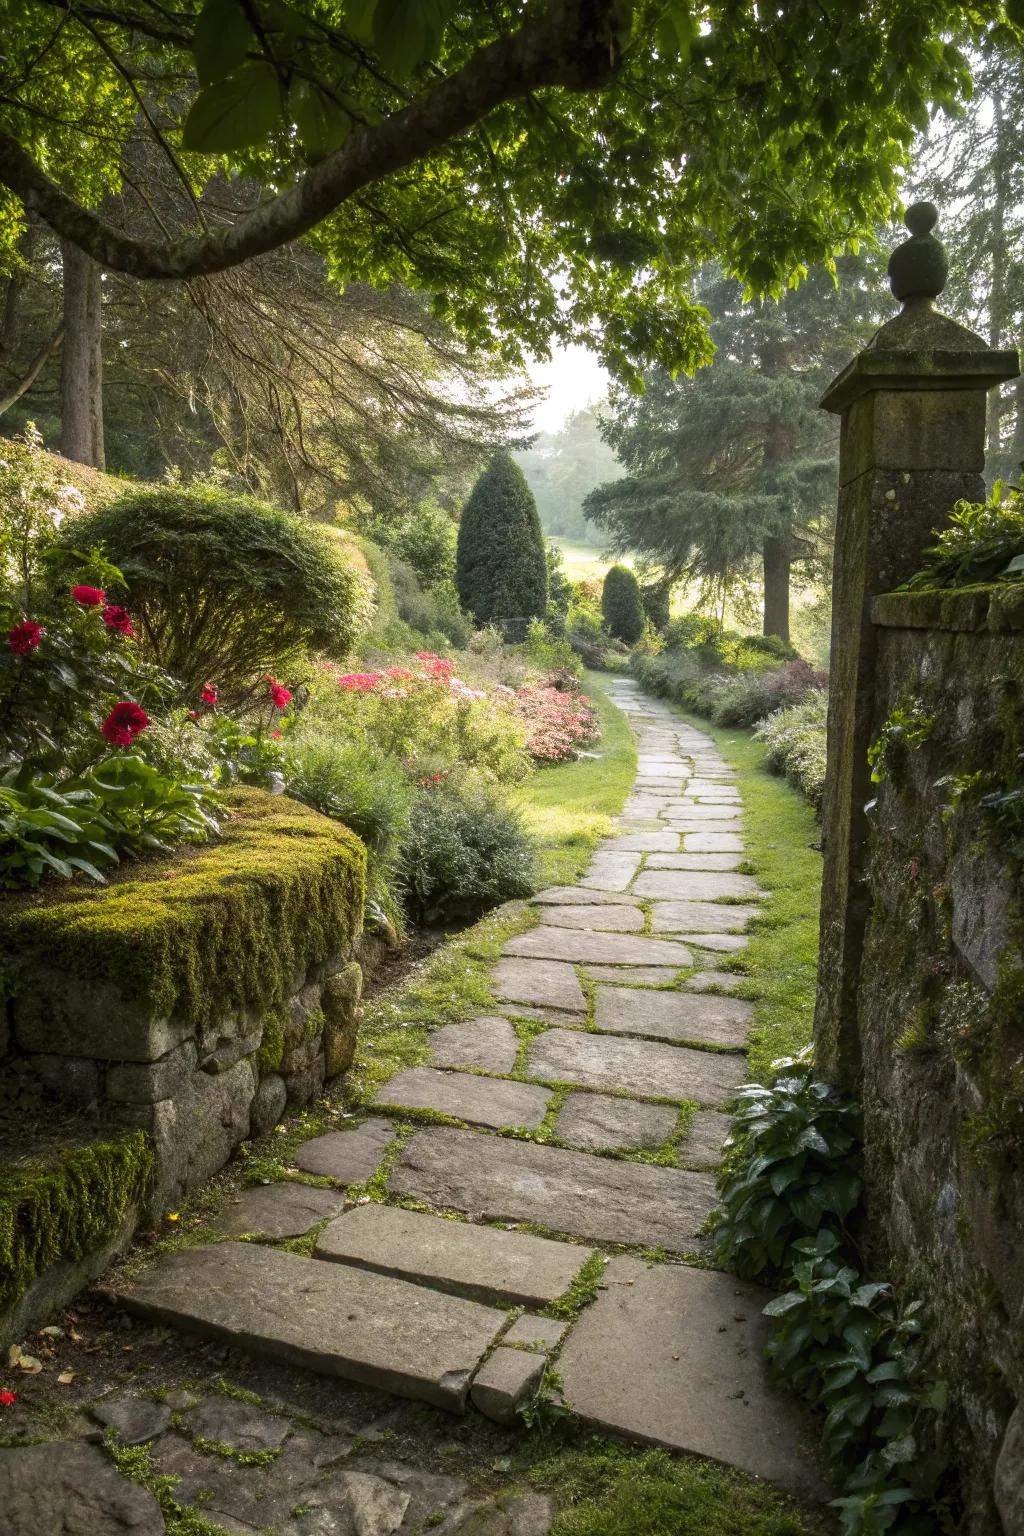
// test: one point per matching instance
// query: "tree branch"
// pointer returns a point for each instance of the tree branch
(570, 45)
(33, 370)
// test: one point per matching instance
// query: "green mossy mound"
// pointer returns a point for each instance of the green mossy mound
(67, 1206)
(212, 930)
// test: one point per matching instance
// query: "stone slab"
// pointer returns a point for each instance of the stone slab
(706, 861)
(673, 1355)
(695, 885)
(600, 1198)
(72, 1489)
(488, 1043)
(505, 1383)
(712, 842)
(549, 943)
(722, 943)
(484, 1263)
(278, 1210)
(539, 1333)
(647, 842)
(646, 1068)
(577, 896)
(700, 917)
(351, 1157)
(490, 1101)
(705, 811)
(714, 981)
(675, 1016)
(611, 871)
(331, 1318)
(603, 919)
(705, 1139)
(246, 1427)
(640, 975)
(134, 1420)
(545, 983)
(597, 1122)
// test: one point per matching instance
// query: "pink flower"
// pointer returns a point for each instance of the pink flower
(280, 695)
(89, 597)
(7, 1398)
(277, 734)
(208, 694)
(118, 619)
(124, 723)
(24, 637)
(359, 682)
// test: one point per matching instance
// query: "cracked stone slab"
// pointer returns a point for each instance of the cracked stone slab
(714, 981)
(646, 1068)
(701, 917)
(712, 842)
(351, 1157)
(489, 1101)
(134, 1420)
(640, 975)
(599, 1198)
(610, 871)
(331, 1318)
(695, 885)
(246, 1427)
(672, 1355)
(539, 1333)
(603, 919)
(550, 943)
(483, 1263)
(699, 861)
(542, 983)
(577, 896)
(675, 1016)
(278, 1210)
(505, 1383)
(72, 1489)
(488, 1043)
(723, 943)
(597, 1122)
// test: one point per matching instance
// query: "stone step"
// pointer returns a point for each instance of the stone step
(540, 983)
(695, 885)
(550, 943)
(331, 1318)
(672, 1356)
(674, 1016)
(484, 1263)
(645, 1068)
(489, 1101)
(604, 1199)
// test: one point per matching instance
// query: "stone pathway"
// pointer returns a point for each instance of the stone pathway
(556, 1156)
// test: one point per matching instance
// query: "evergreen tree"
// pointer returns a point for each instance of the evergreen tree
(561, 468)
(500, 565)
(736, 466)
(621, 604)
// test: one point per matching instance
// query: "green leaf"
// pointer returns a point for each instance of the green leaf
(407, 33)
(239, 111)
(221, 40)
(780, 1305)
(323, 125)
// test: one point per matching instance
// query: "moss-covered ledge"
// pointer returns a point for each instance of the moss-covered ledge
(997, 607)
(126, 971)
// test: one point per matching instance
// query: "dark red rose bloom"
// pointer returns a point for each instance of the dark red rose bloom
(89, 597)
(209, 694)
(7, 1398)
(24, 637)
(119, 619)
(124, 723)
(281, 695)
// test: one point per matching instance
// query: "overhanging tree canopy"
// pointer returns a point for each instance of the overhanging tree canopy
(502, 158)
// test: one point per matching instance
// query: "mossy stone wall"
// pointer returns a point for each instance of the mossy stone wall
(941, 1011)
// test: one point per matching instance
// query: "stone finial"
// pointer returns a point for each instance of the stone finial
(918, 268)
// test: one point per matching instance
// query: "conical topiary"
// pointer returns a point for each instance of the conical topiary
(622, 605)
(500, 569)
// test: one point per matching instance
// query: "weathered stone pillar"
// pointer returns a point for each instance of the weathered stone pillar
(912, 444)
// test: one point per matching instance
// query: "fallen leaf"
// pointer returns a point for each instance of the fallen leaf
(52, 1332)
(173, 1216)
(66, 1378)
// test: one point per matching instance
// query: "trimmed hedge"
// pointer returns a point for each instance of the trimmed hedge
(622, 605)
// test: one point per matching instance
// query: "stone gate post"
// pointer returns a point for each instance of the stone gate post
(912, 443)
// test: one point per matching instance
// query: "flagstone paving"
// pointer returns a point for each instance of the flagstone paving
(606, 1065)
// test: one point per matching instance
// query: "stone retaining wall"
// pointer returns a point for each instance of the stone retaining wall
(197, 997)
(941, 1013)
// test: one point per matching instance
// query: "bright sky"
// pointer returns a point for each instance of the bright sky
(573, 379)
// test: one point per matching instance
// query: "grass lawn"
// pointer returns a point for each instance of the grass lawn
(567, 808)
(584, 562)
(782, 956)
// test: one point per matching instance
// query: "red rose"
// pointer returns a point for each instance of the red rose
(124, 723)
(7, 1398)
(119, 619)
(209, 694)
(277, 734)
(24, 637)
(280, 695)
(89, 597)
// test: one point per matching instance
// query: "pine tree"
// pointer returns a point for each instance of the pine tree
(500, 566)
(621, 604)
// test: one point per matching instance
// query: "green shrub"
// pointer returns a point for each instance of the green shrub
(795, 739)
(982, 542)
(501, 570)
(656, 597)
(462, 854)
(425, 540)
(621, 605)
(223, 588)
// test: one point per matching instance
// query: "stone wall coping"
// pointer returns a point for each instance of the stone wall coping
(997, 608)
(896, 369)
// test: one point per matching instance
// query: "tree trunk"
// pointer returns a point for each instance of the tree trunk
(996, 402)
(81, 378)
(776, 587)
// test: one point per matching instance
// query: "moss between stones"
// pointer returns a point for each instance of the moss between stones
(224, 927)
(68, 1207)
